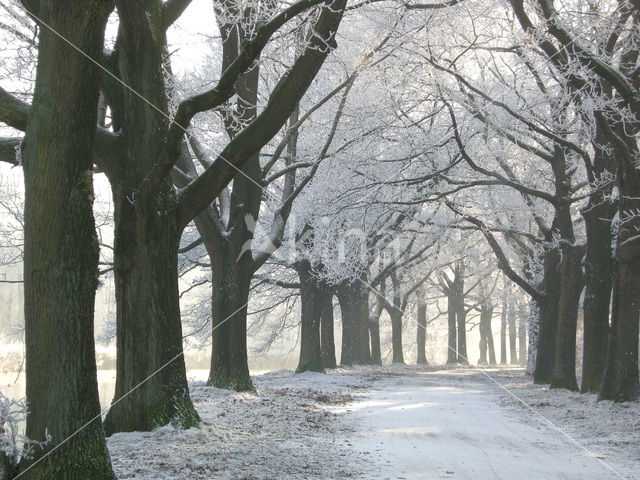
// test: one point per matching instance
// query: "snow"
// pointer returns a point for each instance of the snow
(395, 422)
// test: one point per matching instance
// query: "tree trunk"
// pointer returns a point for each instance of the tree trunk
(489, 336)
(490, 345)
(522, 340)
(310, 314)
(533, 328)
(396, 336)
(461, 314)
(511, 321)
(374, 333)
(564, 368)
(327, 342)
(483, 337)
(503, 333)
(151, 382)
(231, 281)
(462, 336)
(452, 348)
(620, 381)
(422, 334)
(548, 318)
(597, 297)
(354, 305)
(61, 249)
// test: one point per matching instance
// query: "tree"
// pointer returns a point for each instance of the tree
(601, 67)
(61, 247)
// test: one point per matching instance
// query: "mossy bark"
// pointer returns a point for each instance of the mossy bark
(151, 383)
(61, 249)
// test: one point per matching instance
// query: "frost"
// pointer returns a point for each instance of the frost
(13, 445)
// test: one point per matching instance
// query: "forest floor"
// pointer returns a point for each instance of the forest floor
(391, 422)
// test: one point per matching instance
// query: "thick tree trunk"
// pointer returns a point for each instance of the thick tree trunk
(354, 305)
(548, 318)
(230, 284)
(310, 314)
(452, 345)
(422, 334)
(564, 368)
(597, 297)
(396, 336)
(620, 381)
(327, 341)
(61, 249)
(511, 321)
(151, 383)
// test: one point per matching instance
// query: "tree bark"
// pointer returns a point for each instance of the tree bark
(310, 314)
(422, 334)
(151, 382)
(490, 345)
(461, 313)
(231, 280)
(327, 341)
(548, 318)
(620, 381)
(452, 345)
(522, 340)
(503, 332)
(486, 335)
(533, 328)
(374, 334)
(354, 305)
(564, 367)
(396, 336)
(61, 248)
(511, 321)
(598, 283)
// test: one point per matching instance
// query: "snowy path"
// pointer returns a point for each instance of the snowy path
(449, 424)
(391, 422)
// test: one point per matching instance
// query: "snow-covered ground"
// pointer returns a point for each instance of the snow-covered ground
(392, 422)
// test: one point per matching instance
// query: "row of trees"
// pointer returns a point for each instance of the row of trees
(501, 138)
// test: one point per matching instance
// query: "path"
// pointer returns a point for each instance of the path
(449, 424)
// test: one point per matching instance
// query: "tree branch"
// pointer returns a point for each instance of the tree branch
(287, 93)
(8, 150)
(503, 261)
(171, 11)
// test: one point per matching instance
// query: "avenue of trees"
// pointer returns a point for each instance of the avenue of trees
(442, 166)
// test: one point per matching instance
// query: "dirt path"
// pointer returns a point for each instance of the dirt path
(450, 424)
